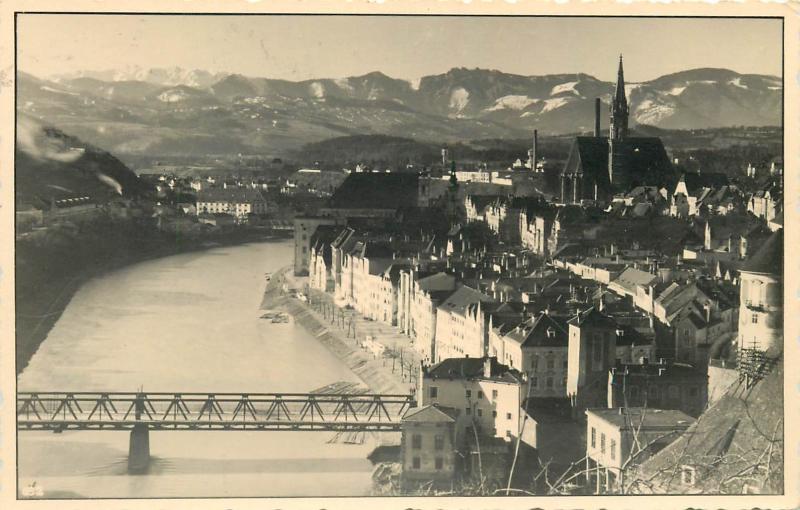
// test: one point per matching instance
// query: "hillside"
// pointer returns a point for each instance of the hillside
(52, 165)
(173, 112)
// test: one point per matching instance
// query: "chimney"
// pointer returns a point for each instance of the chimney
(597, 117)
(487, 367)
(534, 154)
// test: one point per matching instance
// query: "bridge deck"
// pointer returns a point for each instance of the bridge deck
(209, 411)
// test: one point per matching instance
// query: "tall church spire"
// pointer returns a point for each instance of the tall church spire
(619, 108)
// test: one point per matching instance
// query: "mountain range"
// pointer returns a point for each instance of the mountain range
(178, 112)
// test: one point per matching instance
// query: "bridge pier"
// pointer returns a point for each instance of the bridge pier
(139, 450)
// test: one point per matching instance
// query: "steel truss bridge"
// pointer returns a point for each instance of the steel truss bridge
(57, 411)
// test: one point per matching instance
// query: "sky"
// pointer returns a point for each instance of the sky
(305, 47)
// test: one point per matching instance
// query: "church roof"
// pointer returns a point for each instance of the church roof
(644, 157)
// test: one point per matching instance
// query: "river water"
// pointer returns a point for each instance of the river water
(187, 323)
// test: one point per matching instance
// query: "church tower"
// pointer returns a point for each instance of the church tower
(618, 131)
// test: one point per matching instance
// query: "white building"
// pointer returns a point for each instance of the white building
(462, 327)
(761, 297)
(486, 394)
(234, 201)
(616, 440)
(538, 347)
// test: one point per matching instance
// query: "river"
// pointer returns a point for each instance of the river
(187, 323)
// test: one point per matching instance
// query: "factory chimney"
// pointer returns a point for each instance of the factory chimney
(597, 117)
(534, 149)
(445, 157)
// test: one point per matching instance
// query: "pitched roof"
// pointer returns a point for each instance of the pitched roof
(464, 297)
(241, 195)
(592, 318)
(631, 277)
(472, 368)
(437, 282)
(644, 157)
(697, 181)
(431, 413)
(541, 331)
(769, 258)
(643, 417)
(376, 191)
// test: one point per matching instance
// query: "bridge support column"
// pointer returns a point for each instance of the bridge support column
(139, 450)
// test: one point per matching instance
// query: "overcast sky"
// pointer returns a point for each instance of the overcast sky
(303, 47)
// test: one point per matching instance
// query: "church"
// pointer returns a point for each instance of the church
(599, 168)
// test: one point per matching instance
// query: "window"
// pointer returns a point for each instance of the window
(602, 442)
(508, 416)
(674, 391)
(494, 414)
(415, 463)
(468, 411)
(434, 392)
(480, 413)
(508, 433)
(613, 447)
(549, 382)
(439, 463)
(688, 475)
(305, 249)
(469, 393)
(754, 319)
(535, 362)
(693, 391)
(438, 442)
(416, 441)
(534, 382)
(494, 394)
(565, 364)
(551, 364)
(480, 395)
(594, 437)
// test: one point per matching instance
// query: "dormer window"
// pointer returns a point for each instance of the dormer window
(551, 333)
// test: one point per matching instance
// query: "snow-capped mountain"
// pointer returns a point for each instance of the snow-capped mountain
(177, 111)
(158, 76)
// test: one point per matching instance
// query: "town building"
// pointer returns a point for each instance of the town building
(427, 295)
(238, 202)
(761, 298)
(592, 352)
(536, 347)
(462, 324)
(485, 393)
(658, 385)
(429, 445)
(619, 439)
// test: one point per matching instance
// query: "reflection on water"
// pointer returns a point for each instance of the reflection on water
(187, 323)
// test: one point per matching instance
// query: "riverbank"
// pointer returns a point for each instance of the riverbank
(40, 308)
(375, 371)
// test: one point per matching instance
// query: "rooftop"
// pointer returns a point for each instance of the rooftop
(472, 368)
(769, 257)
(642, 418)
(432, 413)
